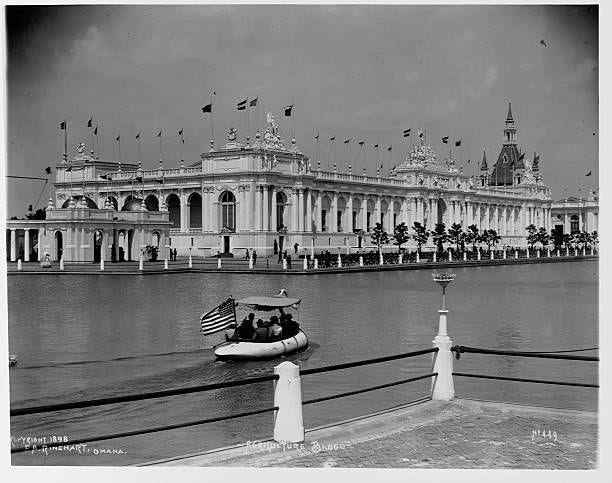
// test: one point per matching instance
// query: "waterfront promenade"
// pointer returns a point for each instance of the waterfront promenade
(462, 433)
(267, 265)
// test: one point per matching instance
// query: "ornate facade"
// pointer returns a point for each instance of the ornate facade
(253, 195)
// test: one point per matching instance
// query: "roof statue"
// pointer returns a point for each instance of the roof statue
(271, 137)
(232, 134)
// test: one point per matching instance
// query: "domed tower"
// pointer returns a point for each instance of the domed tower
(508, 161)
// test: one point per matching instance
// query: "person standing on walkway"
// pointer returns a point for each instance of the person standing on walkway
(254, 257)
(246, 256)
(295, 248)
(281, 255)
(289, 261)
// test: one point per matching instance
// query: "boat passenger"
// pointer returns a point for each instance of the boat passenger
(246, 329)
(261, 332)
(290, 326)
(274, 329)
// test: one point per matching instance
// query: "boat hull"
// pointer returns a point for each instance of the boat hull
(261, 350)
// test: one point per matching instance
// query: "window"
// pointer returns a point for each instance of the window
(228, 211)
(323, 219)
(574, 227)
(354, 220)
(339, 218)
(368, 224)
(394, 220)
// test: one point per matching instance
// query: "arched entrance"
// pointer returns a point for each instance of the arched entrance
(174, 210)
(195, 210)
(59, 246)
(281, 201)
(152, 203)
(98, 242)
(441, 211)
(228, 211)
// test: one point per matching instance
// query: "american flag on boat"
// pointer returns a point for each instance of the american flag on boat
(219, 318)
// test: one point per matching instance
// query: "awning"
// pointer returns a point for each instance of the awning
(268, 303)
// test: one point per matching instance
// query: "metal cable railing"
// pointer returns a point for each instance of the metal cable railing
(140, 397)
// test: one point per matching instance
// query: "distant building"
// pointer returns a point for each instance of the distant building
(266, 194)
(574, 214)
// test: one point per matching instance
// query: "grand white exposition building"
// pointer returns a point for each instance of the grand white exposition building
(245, 195)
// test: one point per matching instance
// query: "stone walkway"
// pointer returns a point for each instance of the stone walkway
(458, 434)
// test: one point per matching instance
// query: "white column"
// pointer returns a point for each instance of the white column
(318, 225)
(274, 221)
(391, 213)
(40, 254)
(364, 213)
(334, 214)
(294, 210)
(405, 218)
(301, 209)
(258, 208)
(266, 208)
(414, 211)
(443, 388)
(26, 245)
(377, 210)
(308, 225)
(183, 217)
(434, 213)
(252, 207)
(349, 214)
(13, 245)
(204, 210)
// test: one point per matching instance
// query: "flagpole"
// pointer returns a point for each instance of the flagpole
(212, 131)
(139, 153)
(92, 141)
(65, 141)
(160, 147)
(119, 144)
(248, 123)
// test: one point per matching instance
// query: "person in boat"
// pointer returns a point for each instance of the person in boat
(246, 329)
(261, 332)
(290, 326)
(274, 329)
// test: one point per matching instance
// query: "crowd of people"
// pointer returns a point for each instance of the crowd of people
(276, 328)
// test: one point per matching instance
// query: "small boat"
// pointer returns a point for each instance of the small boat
(241, 349)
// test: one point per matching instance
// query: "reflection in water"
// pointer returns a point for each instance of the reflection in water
(84, 337)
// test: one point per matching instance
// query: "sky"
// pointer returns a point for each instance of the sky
(360, 72)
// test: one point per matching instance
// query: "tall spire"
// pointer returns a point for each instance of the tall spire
(509, 129)
(509, 117)
(483, 163)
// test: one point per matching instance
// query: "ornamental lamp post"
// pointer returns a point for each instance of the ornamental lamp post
(443, 387)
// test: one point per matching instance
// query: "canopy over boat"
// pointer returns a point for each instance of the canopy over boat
(269, 303)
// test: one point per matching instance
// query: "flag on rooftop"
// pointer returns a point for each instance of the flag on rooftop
(589, 173)
(90, 122)
(219, 318)
(361, 143)
(241, 106)
(48, 170)
(347, 141)
(96, 130)
(445, 139)
(389, 148)
(332, 138)
(288, 110)
(407, 132)
(137, 136)
(458, 143)
(376, 146)
(207, 108)
(253, 102)
(317, 137)
(159, 133)
(63, 125)
(118, 138)
(180, 133)
(420, 133)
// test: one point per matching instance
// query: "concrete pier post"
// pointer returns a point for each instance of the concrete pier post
(305, 264)
(288, 419)
(504, 254)
(62, 263)
(19, 265)
(527, 251)
(284, 264)
(479, 255)
(538, 254)
(492, 255)
(102, 260)
(557, 252)
(515, 253)
(548, 252)
(418, 257)
(401, 256)
(140, 264)
(339, 261)
(591, 247)
(361, 260)
(567, 251)
(450, 256)
(316, 263)
(583, 251)
(165, 264)
(190, 261)
(251, 260)
(219, 263)
(464, 256)
(381, 261)
(443, 387)
(435, 257)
